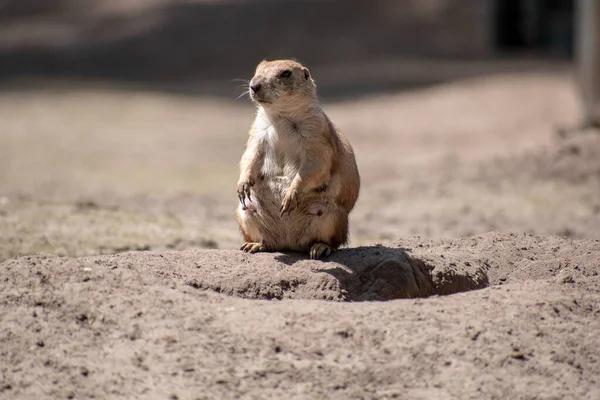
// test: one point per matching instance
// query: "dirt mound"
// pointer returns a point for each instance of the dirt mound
(135, 325)
(408, 269)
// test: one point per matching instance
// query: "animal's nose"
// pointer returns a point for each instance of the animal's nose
(255, 87)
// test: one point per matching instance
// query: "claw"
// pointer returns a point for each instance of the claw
(289, 202)
(252, 247)
(243, 191)
(319, 250)
(284, 210)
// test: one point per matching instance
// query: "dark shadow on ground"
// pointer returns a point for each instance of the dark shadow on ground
(378, 273)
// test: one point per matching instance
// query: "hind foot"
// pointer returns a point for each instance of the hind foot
(252, 247)
(319, 250)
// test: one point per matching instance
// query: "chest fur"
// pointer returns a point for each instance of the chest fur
(284, 149)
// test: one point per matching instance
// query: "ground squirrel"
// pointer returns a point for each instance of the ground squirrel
(298, 175)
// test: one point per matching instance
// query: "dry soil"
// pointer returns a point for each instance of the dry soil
(472, 272)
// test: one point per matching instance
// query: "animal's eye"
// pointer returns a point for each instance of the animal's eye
(285, 74)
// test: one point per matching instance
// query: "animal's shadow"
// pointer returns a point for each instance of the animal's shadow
(371, 272)
(385, 273)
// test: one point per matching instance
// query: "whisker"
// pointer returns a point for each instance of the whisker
(243, 94)
(243, 86)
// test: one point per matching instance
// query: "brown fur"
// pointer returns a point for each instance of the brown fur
(298, 176)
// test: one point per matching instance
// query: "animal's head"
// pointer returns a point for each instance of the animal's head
(282, 85)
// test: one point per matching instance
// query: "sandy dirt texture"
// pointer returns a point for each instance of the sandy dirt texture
(472, 271)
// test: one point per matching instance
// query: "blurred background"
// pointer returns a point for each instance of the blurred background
(122, 121)
(212, 41)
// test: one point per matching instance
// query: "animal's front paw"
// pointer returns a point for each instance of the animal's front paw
(290, 201)
(243, 189)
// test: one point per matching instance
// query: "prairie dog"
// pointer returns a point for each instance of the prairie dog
(298, 176)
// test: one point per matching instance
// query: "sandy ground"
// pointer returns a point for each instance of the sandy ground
(120, 278)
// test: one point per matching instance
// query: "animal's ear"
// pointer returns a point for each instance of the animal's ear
(306, 73)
